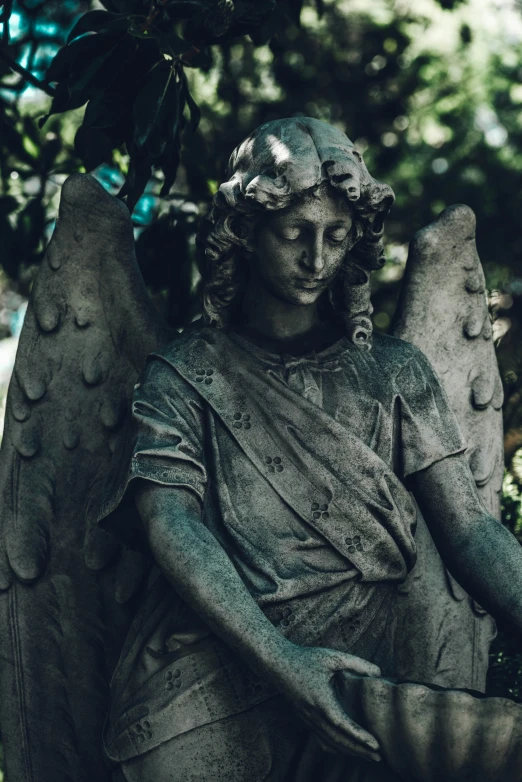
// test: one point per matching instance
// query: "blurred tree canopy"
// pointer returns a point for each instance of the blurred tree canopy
(153, 95)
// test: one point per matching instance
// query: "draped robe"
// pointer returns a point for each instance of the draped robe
(299, 464)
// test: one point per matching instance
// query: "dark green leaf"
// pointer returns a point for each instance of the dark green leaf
(91, 22)
(195, 112)
(63, 101)
(169, 166)
(140, 170)
(156, 143)
(60, 64)
(81, 79)
(80, 50)
(170, 121)
(93, 146)
(105, 110)
(114, 65)
(173, 117)
(150, 101)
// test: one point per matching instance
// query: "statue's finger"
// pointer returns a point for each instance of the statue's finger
(342, 661)
(341, 741)
(339, 720)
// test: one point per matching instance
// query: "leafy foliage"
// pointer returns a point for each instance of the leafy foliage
(432, 97)
(33, 157)
(431, 93)
(127, 63)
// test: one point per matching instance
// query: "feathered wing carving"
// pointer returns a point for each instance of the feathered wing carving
(88, 328)
(443, 637)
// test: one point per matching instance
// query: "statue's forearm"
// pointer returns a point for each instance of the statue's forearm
(199, 568)
(488, 564)
(481, 554)
(204, 576)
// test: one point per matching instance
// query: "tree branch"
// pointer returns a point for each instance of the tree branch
(5, 20)
(25, 74)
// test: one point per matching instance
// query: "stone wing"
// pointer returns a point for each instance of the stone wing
(443, 311)
(67, 589)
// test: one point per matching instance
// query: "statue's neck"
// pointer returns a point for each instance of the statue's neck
(272, 317)
(281, 326)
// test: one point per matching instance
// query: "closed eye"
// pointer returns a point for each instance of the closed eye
(291, 234)
(337, 237)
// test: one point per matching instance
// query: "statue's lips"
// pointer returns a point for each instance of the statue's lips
(312, 284)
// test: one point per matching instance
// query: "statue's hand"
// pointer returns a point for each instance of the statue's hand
(309, 682)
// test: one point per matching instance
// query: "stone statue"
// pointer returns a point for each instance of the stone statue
(239, 552)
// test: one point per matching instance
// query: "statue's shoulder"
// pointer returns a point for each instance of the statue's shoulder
(393, 353)
(192, 343)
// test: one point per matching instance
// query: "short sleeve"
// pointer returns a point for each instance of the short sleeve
(428, 427)
(168, 420)
(165, 446)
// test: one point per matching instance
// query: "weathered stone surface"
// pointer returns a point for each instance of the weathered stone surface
(442, 636)
(299, 444)
(435, 735)
(66, 628)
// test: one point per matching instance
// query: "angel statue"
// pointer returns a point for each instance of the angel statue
(225, 523)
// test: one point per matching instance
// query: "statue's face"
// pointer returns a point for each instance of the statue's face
(299, 250)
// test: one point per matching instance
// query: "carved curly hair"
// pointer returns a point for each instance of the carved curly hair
(278, 164)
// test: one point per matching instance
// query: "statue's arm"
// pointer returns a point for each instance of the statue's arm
(205, 577)
(481, 554)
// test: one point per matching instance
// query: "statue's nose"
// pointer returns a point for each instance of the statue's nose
(315, 260)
